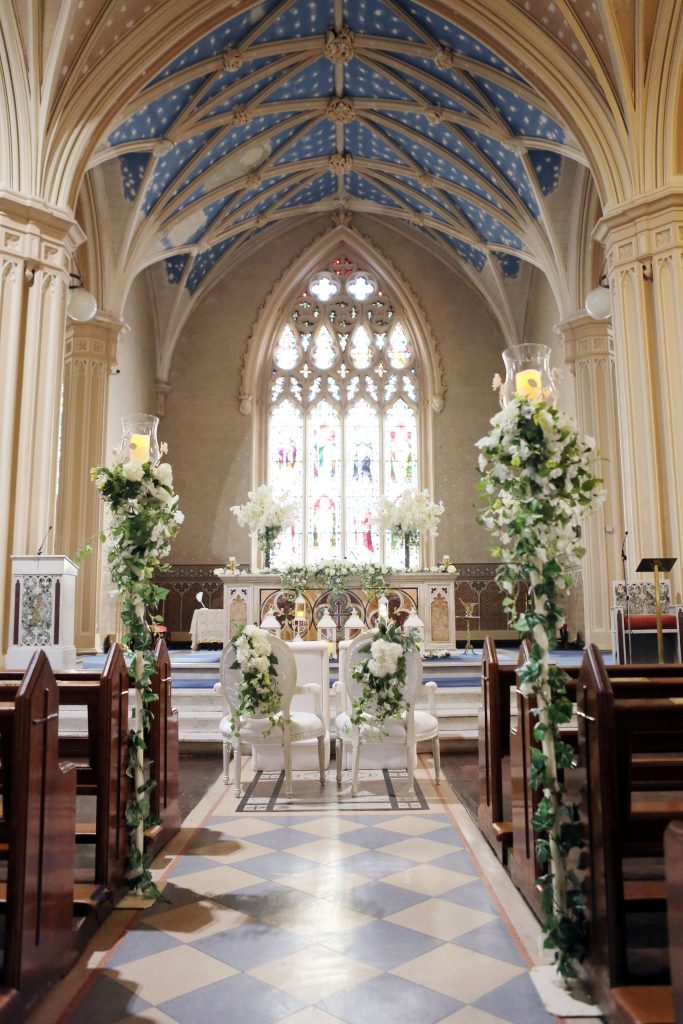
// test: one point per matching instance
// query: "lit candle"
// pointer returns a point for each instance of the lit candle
(232, 562)
(446, 560)
(139, 448)
(528, 384)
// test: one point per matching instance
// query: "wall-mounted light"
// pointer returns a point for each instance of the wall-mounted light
(82, 304)
(598, 303)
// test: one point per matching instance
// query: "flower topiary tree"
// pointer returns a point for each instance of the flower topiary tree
(539, 481)
(143, 517)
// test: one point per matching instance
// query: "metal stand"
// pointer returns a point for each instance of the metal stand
(469, 617)
(627, 604)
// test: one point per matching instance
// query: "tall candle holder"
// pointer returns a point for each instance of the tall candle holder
(469, 617)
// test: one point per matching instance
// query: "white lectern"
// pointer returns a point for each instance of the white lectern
(43, 604)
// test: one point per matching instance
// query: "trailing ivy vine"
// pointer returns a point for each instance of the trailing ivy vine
(538, 477)
(143, 517)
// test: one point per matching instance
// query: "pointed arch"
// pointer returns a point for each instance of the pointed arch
(411, 376)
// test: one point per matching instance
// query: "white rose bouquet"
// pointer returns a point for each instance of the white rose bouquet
(266, 515)
(383, 675)
(412, 514)
(259, 694)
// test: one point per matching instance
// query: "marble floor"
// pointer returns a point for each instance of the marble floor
(316, 917)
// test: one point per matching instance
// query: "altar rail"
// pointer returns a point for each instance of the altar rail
(474, 584)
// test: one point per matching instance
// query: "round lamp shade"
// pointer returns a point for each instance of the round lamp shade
(599, 303)
(81, 306)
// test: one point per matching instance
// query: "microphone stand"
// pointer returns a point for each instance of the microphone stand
(627, 602)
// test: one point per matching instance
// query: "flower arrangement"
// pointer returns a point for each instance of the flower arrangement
(143, 518)
(373, 579)
(295, 580)
(266, 515)
(331, 575)
(412, 514)
(258, 693)
(538, 477)
(383, 674)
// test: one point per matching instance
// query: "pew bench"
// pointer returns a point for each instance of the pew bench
(620, 727)
(41, 938)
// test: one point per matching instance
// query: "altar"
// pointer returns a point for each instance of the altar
(249, 597)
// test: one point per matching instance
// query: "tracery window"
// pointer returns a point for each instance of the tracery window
(343, 415)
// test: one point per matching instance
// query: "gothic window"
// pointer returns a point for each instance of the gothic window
(343, 415)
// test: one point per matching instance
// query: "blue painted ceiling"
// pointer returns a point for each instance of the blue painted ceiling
(389, 109)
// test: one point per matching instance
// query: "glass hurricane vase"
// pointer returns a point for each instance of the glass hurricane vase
(266, 540)
(528, 373)
(409, 541)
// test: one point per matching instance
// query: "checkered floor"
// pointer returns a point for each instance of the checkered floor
(355, 917)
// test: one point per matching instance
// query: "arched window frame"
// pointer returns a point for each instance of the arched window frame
(256, 375)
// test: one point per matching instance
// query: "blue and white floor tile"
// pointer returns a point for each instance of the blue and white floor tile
(316, 919)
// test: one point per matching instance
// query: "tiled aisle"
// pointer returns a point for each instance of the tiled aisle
(315, 919)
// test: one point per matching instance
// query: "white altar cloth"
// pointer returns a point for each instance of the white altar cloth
(206, 627)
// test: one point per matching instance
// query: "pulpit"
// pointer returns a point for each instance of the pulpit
(43, 606)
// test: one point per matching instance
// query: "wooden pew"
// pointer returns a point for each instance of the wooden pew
(39, 804)
(617, 726)
(497, 682)
(101, 760)
(163, 754)
(627, 680)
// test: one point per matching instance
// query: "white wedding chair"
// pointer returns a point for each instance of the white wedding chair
(294, 725)
(405, 732)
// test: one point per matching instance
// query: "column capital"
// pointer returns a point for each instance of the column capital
(37, 232)
(585, 338)
(163, 390)
(94, 339)
(642, 229)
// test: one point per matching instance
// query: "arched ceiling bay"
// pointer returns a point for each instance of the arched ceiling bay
(367, 106)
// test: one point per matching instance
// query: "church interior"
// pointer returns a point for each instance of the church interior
(303, 252)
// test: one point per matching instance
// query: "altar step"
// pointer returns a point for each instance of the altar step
(199, 712)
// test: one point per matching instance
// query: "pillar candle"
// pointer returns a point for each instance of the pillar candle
(528, 384)
(139, 448)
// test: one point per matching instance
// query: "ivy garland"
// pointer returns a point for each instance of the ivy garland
(258, 692)
(333, 576)
(143, 518)
(295, 580)
(383, 674)
(374, 579)
(537, 475)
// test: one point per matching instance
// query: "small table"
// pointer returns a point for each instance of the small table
(206, 627)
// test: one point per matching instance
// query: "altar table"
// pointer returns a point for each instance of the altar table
(247, 599)
(207, 627)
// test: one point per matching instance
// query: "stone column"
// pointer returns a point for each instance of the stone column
(644, 246)
(36, 245)
(589, 352)
(89, 356)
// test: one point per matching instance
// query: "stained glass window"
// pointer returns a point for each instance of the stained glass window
(343, 420)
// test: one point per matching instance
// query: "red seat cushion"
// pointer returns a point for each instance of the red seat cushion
(649, 621)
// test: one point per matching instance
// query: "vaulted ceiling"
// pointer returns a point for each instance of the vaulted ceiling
(375, 106)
